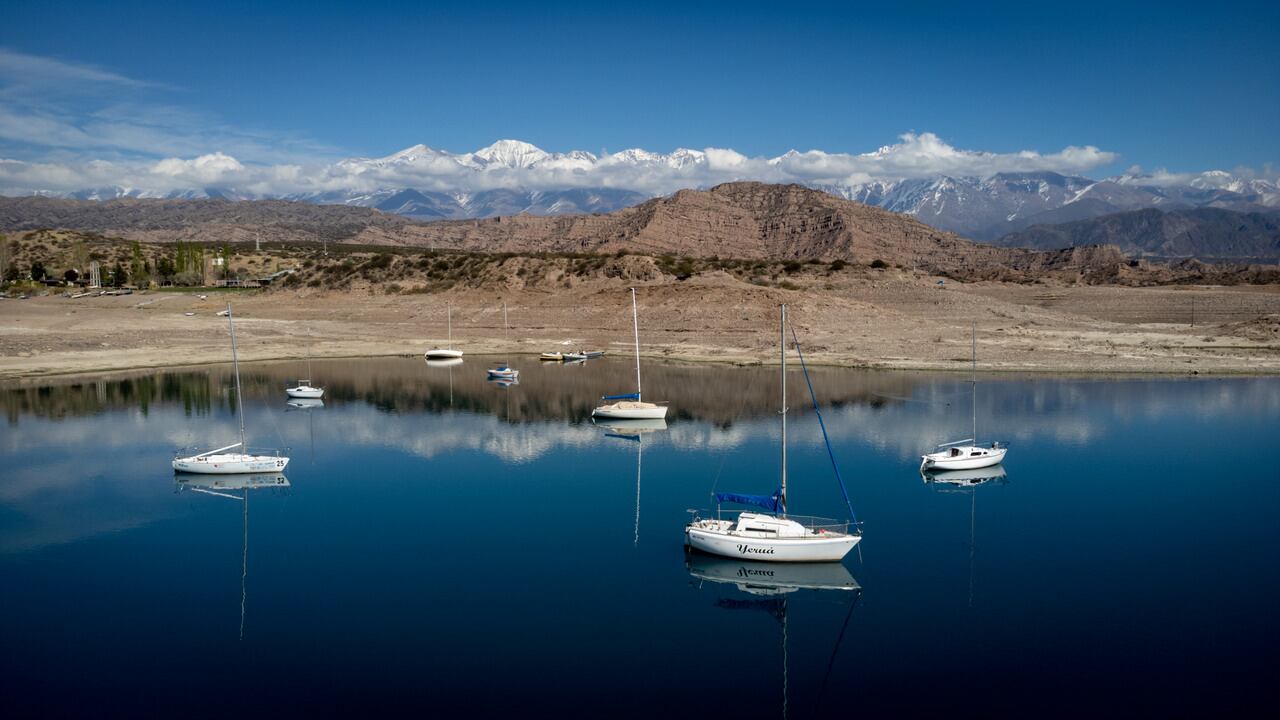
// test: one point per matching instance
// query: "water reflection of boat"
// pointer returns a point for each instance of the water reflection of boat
(775, 583)
(444, 363)
(761, 578)
(965, 478)
(224, 486)
(221, 462)
(633, 430)
(305, 403)
(967, 482)
(503, 382)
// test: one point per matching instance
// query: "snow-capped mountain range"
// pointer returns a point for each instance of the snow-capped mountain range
(511, 176)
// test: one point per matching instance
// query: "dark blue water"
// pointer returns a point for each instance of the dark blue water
(448, 546)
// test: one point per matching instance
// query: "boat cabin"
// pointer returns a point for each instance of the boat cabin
(769, 526)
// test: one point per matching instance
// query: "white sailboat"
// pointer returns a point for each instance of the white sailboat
(446, 353)
(630, 406)
(774, 537)
(304, 389)
(504, 371)
(222, 461)
(966, 454)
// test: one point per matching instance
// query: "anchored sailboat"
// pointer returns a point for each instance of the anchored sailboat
(304, 388)
(504, 371)
(446, 353)
(222, 462)
(966, 454)
(631, 406)
(775, 537)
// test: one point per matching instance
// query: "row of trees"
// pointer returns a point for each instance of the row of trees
(186, 266)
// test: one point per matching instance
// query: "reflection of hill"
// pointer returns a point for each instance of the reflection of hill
(193, 390)
(547, 391)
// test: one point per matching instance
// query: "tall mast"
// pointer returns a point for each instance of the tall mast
(635, 324)
(235, 362)
(782, 334)
(504, 334)
(973, 377)
(448, 308)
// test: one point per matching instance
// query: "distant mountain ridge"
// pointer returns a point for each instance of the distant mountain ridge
(430, 184)
(1205, 233)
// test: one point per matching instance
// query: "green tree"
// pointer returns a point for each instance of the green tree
(119, 276)
(139, 268)
(6, 257)
(37, 270)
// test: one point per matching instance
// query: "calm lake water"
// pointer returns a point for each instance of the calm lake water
(448, 545)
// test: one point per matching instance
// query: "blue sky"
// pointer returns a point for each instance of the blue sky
(1182, 87)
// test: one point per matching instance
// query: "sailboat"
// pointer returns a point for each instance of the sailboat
(222, 462)
(504, 371)
(633, 430)
(631, 406)
(304, 389)
(446, 353)
(966, 454)
(775, 537)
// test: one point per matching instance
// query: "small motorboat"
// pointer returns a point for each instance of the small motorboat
(552, 356)
(593, 354)
(572, 356)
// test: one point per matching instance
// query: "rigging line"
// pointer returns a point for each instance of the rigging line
(716, 482)
(822, 424)
(839, 639)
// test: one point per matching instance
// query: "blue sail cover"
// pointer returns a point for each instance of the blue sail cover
(629, 396)
(768, 502)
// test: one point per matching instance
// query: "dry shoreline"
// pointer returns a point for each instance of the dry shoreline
(894, 322)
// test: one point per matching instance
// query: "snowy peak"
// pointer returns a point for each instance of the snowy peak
(511, 154)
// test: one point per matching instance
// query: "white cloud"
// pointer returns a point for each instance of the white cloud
(917, 155)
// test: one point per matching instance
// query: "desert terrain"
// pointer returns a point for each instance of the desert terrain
(891, 318)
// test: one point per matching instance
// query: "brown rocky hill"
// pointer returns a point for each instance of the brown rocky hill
(742, 220)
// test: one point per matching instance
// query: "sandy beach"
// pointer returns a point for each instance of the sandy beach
(891, 320)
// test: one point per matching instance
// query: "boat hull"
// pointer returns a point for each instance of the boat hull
(966, 460)
(230, 464)
(504, 374)
(807, 549)
(443, 354)
(621, 411)
(304, 392)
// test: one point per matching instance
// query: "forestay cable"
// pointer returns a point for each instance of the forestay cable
(822, 424)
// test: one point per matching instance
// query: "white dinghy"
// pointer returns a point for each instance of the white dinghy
(504, 371)
(630, 406)
(446, 353)
(966, 454)
(304, 388)
(222, 461)
(778, 536)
